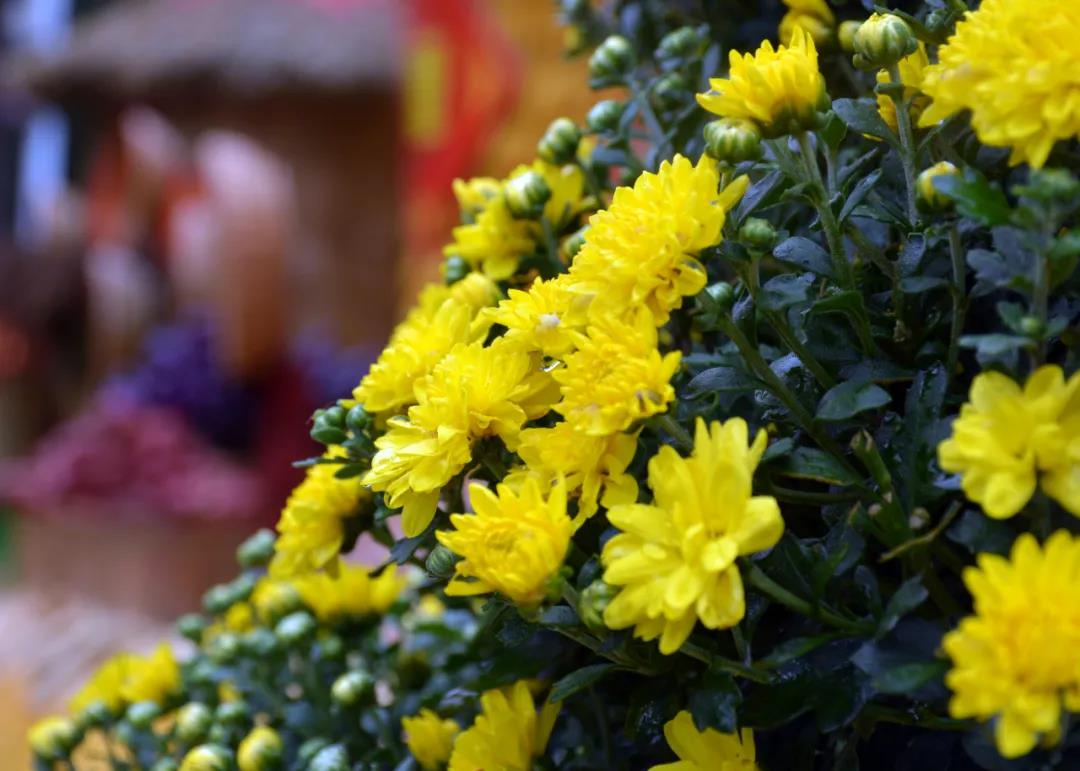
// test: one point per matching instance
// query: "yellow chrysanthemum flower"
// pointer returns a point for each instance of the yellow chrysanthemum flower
(260, 750)
(675, 559)
(1059, 453)
(239, 617)
(567, 186)
(355, 592)
(273, 599)
(152, 678)
(616, 376)
(1004, 435)
(1013, 64)
(507, 734)
(475, 194)
(707, 750)
(106, 685)
(311, 529)
(438, 323)
(1014, 660)
(589, 464)
(429, 738)
(513, 544)
(545, 317)
(911, 69)
(814, 16)
(495, 242)
(780, 90)
(642, 249)
(473, 392)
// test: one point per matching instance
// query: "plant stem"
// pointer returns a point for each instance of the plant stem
(806, 497)
(1039, 303)
(757, 578)
(652, 123)
(787, 334)
(670, 426)
(715, 661)
(829, 225)
(925, 538)
(959, 308)
(914, 718)
(907, 141)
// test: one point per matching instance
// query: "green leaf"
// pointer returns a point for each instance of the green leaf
(818, 465)
(757, 194)
(778, 449)
(994, 344)
(848, 399)
(560, 616)
(911, 255)
(920, 284)
(920, 431)
(578, 680)
(721, 380)
(402, 550)
(861, 115)
(858, 193)
(910, 595)
(977, 533)
(804, 253)
(975, 197)
(784, 291)
(713, 703)
(907, 678)
(833, 131)
(793, 649)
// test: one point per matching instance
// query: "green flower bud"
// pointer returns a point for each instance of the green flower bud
(233, 713)
(260, 750)
(455, 268)
(218, 599)
(95, 714)
(732, 140)
(758, 233)
(202, 672)
(526, 195)
(671, 90)
(165, 764)
(332, 758)
(207, 757)
(259, 643)
(605, 116)
(310, 749)
(193, 721)
(331, 647)
(352, 688)
(358, 420)
(126, 734)
(277, 600)
(593, 601)
(717, 298)
(241, 588)
(846, 35)
(192, 626)
(220, 734)
(53, 738)
(142, 714)
(881, 41)
(1032, 326)
(324, 431)
(929, 196)
(224, 648)
(683, 43)
(560, 142)
(295, 628)
(612, 61)
(572, 244)
(440, 562)
(257, 549)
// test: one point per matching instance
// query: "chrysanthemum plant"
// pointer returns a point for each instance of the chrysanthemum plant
(742, 431)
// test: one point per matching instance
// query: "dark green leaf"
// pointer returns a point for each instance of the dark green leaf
(805, 254)
(578, 680)
(849, 399)
(849, 302)
(714, 701)
(784, 291)
(778, 449)
(402, 550)
(907, 678)
(861, 115)
(833, 131)
(915, 443)
(756, 194)
(919, 284)
(721, 380)
(975, 197)
(858, 193)
(910, 595)
(812, 463)
(995, 344)
(911, 255)
(978, 533)
(560, 616)
(793, 649)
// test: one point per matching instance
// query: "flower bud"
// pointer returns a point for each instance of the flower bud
(232, 712)
(683, 43)
(715, 303)
(572, 244)
(165, 764)
(929, 196)
(142, 714)
(671, 90)
(331, 758)
(732, 140)
(310, 749)
(260, 750)
(241, 587)
(259, 643)
(455, 268)
(207, 757)
(593, 601)
(605, 116)
(53, 738)
(217, 599)
(257, 549)
(331, 647)
(440, 562)
(846, 35)
(475, 290)
(881, 41)
(224, 648)
(358, 419)
(352, 688)
(326, 428)
(758, 233)
(1032, 326)
(560, 142)
(275, 600)
(94, 714)
(220, 734)
(612, 61)
(526, 195)
(295, 628)
(193, 721)
(191, 626)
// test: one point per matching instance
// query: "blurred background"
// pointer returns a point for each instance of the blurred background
(211, 214)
